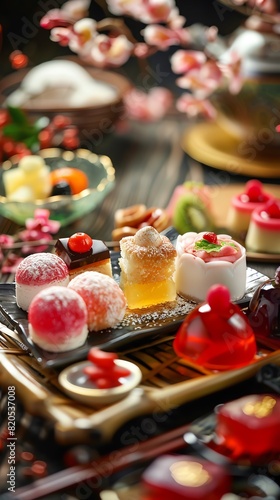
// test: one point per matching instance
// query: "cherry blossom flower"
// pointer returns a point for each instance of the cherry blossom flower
(160, 36)
(202, 81)
(193, 106)
(183, 61)
(148, 106)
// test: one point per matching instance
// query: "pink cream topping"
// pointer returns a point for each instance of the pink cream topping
(210, 247)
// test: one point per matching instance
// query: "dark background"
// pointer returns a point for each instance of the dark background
(21, 30)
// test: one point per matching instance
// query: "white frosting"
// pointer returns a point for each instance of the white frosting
(194, 277)
(59, 74)
(69, 345)
(25, 293)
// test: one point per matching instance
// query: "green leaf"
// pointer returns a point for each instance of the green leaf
(17, 116)
(211, 247)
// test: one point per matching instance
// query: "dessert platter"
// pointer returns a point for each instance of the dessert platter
(136, 326)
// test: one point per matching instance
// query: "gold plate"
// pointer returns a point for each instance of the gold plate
(211, 145)
(221, 196)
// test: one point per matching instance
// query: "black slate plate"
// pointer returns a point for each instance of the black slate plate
(159, 320)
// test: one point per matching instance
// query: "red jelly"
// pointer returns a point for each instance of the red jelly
(264, 311)
(182, 476)
(249, 426)
(216, 334)
(103, 371)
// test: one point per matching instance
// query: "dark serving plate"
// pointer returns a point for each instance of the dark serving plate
(151, 322)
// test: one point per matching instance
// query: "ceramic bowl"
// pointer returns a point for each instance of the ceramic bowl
(76, 384)
(91, 119)
(63, 208)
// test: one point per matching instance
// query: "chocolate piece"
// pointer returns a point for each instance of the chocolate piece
(74, 260)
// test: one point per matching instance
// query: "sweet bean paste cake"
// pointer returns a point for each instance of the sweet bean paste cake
(57, 319)
(37, 272)
(147, 265)
(264, 229)
(243, 204)
(82, 253)
(204, 259)
(104, 299)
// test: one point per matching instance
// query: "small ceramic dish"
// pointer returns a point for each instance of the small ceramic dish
(63, 208)
(79, 387)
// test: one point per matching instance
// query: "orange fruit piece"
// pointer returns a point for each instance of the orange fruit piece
(76, 178)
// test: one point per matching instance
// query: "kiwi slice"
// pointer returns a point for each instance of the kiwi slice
(190, 214)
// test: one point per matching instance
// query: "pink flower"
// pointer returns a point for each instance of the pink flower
(183, 61)
(11, 264)
(202, 81)
(146, 11)
(56, 17)
(232, 71)
(104, 51)
(77, 9)
(149, 106)
(39, 228)
(160, 36)
(193, 107)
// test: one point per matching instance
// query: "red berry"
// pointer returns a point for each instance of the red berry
(4, 117)
(61, 121)
(80, 242)
(273, 209)
(254, 190)
(101, 358)
(18, 59)
(45, 138)
(218, 298)
(211, 237)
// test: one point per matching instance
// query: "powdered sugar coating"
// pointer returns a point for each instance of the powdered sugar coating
(40, 269)
(57, 319)
(105, 301)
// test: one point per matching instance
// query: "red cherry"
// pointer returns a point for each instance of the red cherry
(211, 237)
(80, 242)
(218, 298)
(254, 190)
(4, 117)
(18, 59)
(272, 208)
(61, 121)
(45, 138)
(71, 142)
(101, 358)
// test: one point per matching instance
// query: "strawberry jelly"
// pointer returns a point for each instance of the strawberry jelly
(216, 334)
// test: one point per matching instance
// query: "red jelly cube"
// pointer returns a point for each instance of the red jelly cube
(249, 426)
(185, 476)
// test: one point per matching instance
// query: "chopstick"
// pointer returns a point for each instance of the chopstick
(115, 462)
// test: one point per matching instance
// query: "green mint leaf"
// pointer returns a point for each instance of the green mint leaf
(211, 247)
(18, 116)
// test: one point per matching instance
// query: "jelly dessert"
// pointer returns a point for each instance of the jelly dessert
(147, 265)
(100, 380)
(81, 253)
(264, 229)
(264, 311)
(249, 427)
(243, 204)
(37, 272)
(105, 301)
(57, 319)
(189, 208)
(216, 334)
(204, 259)
(29, 181)
(103, 370)
(129, 220)
(185, 477)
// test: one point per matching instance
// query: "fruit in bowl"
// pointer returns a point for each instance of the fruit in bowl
(69, 184)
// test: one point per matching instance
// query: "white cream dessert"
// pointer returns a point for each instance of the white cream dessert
(206, 259)
(147, 268)
(37, 272)
(264, 229)
(57, 319)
